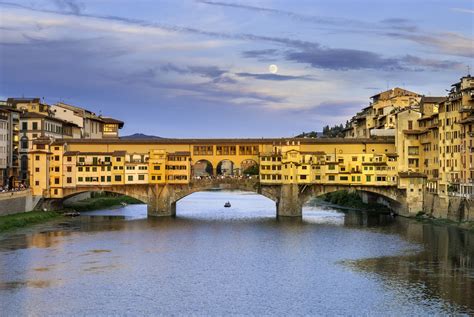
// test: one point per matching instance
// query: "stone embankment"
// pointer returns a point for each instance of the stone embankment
(17, 202)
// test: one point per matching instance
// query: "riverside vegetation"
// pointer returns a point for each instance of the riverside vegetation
(99, 201)
(350, 200)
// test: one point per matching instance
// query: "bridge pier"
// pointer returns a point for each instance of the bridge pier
(161, 201)
(289, 204)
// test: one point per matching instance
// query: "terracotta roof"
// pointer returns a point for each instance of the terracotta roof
(112, 121)
(36, 115)
(413, 131)
(71, 153)
(180, 153)
(254, 141)
(433, 99)
(119, 153)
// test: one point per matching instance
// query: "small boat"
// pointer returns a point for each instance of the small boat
(227, 205)
(71, 214)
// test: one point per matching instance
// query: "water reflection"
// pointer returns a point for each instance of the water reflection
(243, 260)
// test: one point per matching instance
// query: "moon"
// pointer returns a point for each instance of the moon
(273, 68)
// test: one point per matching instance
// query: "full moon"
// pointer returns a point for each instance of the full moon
(273, 68)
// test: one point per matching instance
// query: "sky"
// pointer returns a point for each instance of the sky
(201, 68)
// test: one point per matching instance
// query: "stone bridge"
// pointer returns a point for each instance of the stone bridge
(289, 198)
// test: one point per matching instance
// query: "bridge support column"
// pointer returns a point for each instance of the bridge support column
(161, 201)
(288, 203)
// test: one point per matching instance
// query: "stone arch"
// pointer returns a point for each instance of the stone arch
(394, 199)
(139, 192)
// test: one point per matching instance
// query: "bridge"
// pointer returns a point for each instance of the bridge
(161, 172)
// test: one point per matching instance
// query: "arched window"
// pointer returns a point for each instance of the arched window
(24, 142)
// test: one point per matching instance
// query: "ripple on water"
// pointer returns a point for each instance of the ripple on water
(211, 260)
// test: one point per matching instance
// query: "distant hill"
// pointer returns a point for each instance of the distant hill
(140, 136)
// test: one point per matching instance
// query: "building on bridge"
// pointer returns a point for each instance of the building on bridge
(290, 170)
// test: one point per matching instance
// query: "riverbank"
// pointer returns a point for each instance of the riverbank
(345, 200)
(351, 201)
(21, 220)
(101, 202)
(24, 219)
(466, 225)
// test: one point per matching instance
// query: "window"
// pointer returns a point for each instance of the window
(118, 178)
(35, 125)
(109, 178)
(302, 176)
(130, 178)
(156, 167)
(37, 157)
(331, 167)
(80, 179)
(56, 169)
(118, 159)
(69, 180)
(69, 169)
(344, 178)
(368, 178)
(141, 177)
(331, 177)
(37, 169)
(413, 150)
(37, 183)
(410, 125)
(102, 179)
(80, 168)
(24, 125)
(69, 159)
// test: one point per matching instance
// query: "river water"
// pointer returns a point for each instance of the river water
(211, 260)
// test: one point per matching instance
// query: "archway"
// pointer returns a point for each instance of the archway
(105, 203)
(357, 198)
(202, 168)
(210, 204)
(226, 168)
(249, 167)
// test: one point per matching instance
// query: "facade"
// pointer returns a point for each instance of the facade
(456, 126)
(91, 126)
(9, 143)
(23, 120)
(379, 118)
(76, 163)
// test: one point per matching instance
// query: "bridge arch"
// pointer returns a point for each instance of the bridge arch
(394, 199)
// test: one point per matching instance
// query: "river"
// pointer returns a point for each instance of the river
(211, 260)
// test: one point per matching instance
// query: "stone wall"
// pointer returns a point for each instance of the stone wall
(17, 202)
(449, 207)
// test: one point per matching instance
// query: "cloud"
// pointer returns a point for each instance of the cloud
(71, 6)
(203, 71)
(400, 24)
(342, 59)
(337, 22)
(275, 77)
(426, 63)
(260, 53)
(447, 42)
(463, 10)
